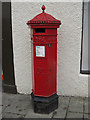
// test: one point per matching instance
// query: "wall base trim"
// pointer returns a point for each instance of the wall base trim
(9, 88)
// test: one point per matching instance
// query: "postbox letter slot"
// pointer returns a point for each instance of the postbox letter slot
(39, 30)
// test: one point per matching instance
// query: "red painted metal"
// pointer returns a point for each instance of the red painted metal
(43, 8)
(44, 69)
(44, 18)
(2, 76)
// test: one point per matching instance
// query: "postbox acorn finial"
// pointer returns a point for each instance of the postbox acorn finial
(43, 8)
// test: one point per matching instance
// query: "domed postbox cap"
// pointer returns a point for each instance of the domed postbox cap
(43, 18)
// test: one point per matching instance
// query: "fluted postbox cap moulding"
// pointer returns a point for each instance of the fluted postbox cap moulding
(44, 20)
(44, 61)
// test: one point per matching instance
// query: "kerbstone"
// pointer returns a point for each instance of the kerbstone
(31, 114)
(62, 108)
(74, 115)
(12, 115)
(76, 104)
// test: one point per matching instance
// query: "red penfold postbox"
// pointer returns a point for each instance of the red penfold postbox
(44, 61)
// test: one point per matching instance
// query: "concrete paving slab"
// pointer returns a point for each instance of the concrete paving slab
(21, 97)
(88, 116)
(76, 104)
(0, 98)
(62, 108)
(20, 107)
(0, 85)
(31, 114)
(17, 97)
(85, 116)
(74, 115)
(0, 116)
(12, 115)
(59, 99)
(89, 107)
(58, 118)
(5, 105)
(6, 100)
(0, 110)
(86, 106)
(16, 103)
(88, 98)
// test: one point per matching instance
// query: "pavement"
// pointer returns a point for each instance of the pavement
(0, 77)
(20, 106)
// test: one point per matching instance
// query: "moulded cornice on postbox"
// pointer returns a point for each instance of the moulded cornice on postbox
(44, 20)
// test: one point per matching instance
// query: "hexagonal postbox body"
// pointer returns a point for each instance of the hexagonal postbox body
(44, 54)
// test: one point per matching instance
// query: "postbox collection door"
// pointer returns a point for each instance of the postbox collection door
(45, 67)
(52, 67)
(40, 70)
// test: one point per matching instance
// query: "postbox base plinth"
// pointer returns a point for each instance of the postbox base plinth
(45, 104)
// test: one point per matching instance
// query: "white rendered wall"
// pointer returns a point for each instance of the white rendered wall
(70, 81)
